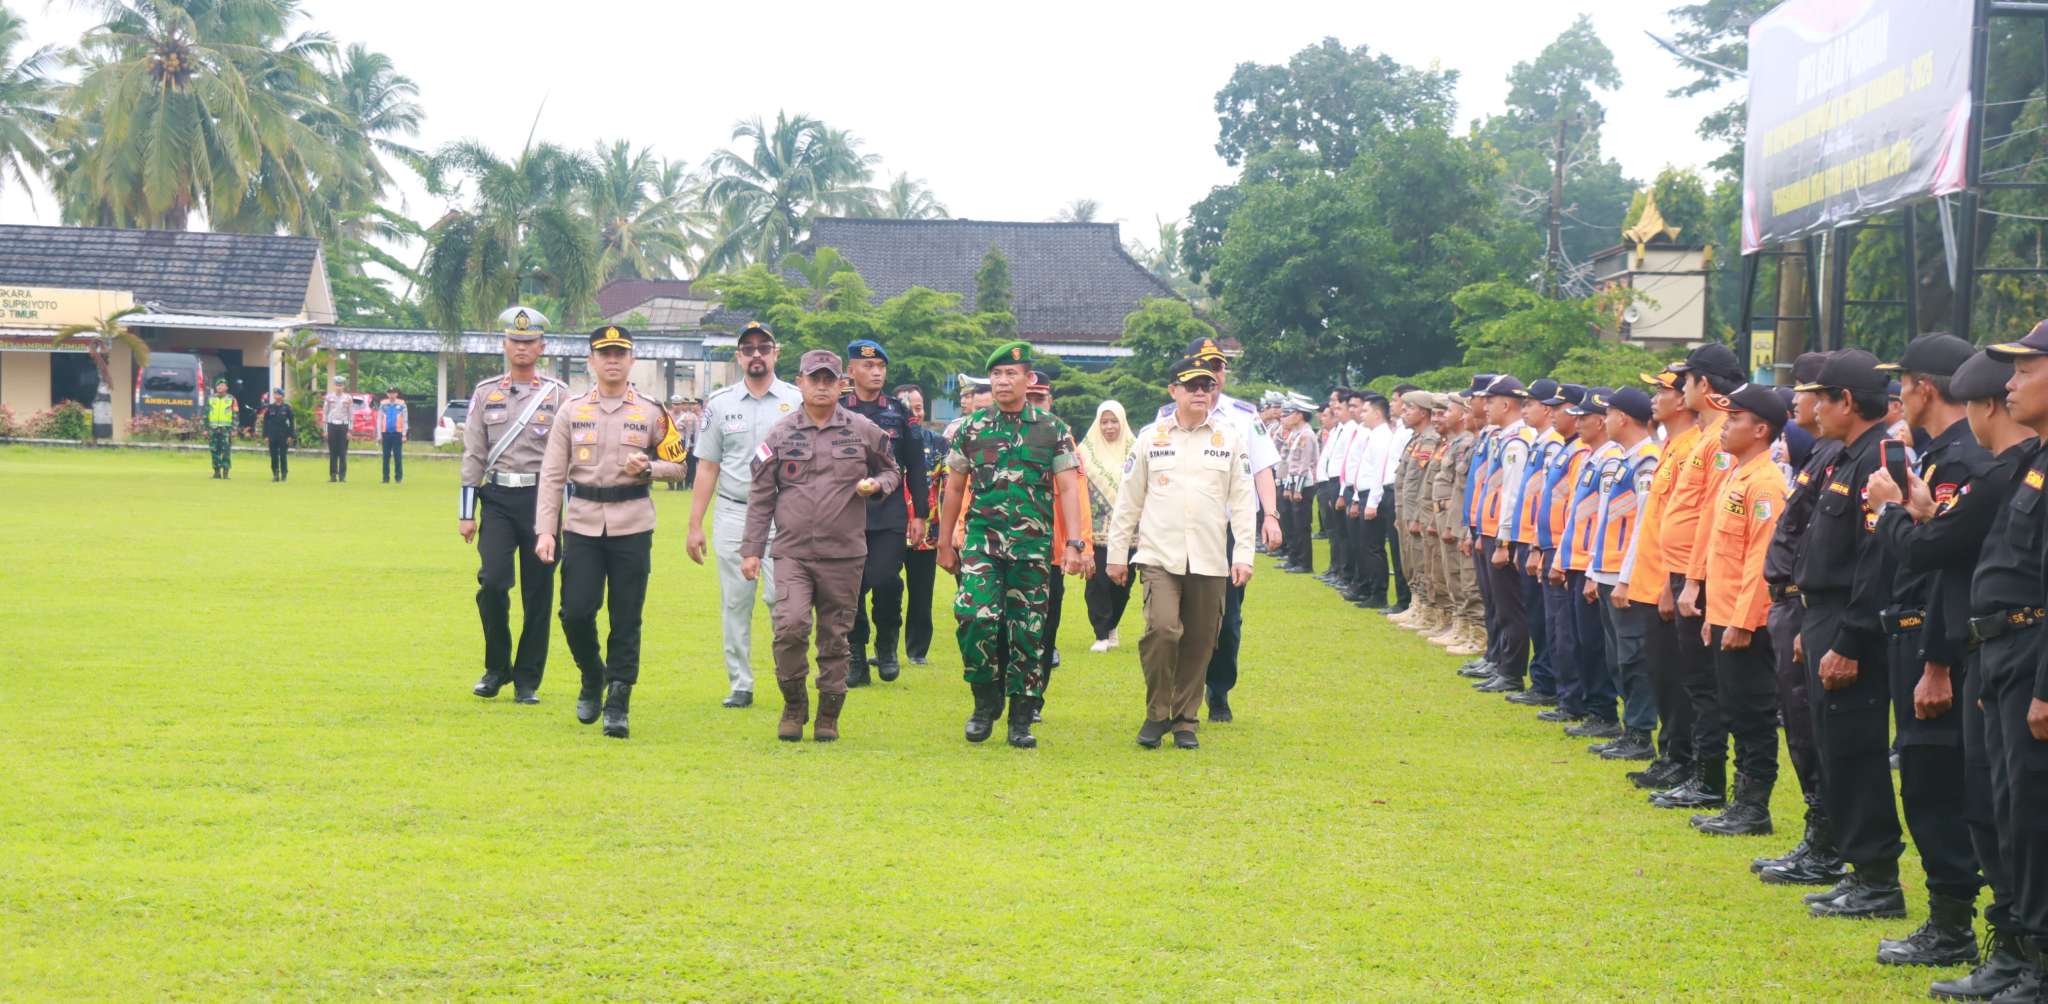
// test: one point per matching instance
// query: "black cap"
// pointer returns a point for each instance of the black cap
(1981, 377)
(1785, 394)
(754, 328)
(1570, 395)
(1759, 400)
(2035, 344)
(1806, 368)
(1479, 382)
(1629, 401)
(1936, 354)
(1592, 401)
(1713, 359)
(1543, 390)
(1851, 370)
(1891, 388)
(611, 336)
(1504, 386)
(1204, 349)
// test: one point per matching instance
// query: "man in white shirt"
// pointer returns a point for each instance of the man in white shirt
(1366, 469)
(1186, 502)
(1330, 486)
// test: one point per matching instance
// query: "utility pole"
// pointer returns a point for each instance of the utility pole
(1553, 251)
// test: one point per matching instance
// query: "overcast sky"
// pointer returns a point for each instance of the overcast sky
(1008, 111)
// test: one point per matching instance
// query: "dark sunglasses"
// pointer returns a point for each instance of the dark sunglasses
(756, 349)
(1199, 384)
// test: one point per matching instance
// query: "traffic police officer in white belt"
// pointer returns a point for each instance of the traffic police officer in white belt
(507, 432)
(735, 420)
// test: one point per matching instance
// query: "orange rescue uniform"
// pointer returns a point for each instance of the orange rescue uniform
(1751, 499)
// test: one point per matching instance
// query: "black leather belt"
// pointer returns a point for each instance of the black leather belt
(1898, 622)
(1836, 597)
(1989, 626)
(1782, 592)
(610, 493)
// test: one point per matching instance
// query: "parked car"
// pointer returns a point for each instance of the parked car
(176, 383)
(448, 428)
(362, 419)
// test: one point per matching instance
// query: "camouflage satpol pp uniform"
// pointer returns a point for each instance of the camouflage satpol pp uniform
(1007, 550)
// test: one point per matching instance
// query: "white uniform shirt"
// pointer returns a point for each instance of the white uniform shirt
(732, 427)
(1330, 466)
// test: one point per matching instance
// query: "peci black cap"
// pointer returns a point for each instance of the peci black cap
(1713, 359)
(1629, 401)
(1759, 400)
(1936, 354)
(1851, 370)
(1982, 377)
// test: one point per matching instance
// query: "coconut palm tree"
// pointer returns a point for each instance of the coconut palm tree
(367, 106)
(637, 203)
(817, 272)
(767, 193)
(909, 199)
(25, 99)
(190, 106)
(100, 338)
(516, 231)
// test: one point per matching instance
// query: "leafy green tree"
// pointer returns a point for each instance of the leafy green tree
(992, 295)
(1509, 328)
(1158, 334)
(1331, 102)
(191, 106)
(767, 193)
(817, 272)
(515, 232)
(26, 98)
(1681, 199)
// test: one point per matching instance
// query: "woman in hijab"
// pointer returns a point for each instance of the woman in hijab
(1103, 453)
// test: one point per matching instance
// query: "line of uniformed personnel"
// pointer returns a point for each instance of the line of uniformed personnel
(1681, 567)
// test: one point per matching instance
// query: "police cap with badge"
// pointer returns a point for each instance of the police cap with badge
(523, 324)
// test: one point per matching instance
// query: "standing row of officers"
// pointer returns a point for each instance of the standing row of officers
(822, 490)
(1689, 565)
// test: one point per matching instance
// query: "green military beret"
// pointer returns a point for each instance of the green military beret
(1010, 352)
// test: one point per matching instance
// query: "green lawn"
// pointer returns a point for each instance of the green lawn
(239, 759)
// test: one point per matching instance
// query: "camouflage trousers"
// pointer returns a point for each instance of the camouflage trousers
(220, 443)
(1001, 609)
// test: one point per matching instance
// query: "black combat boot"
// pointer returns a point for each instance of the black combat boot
(616, 701)
(1947, 939)
(489, 685)
(1020, 723)
(525, 695)
(1822, 864)
(988, 703)
(1799, 850)
(1748, 814)
(588, 699)
(857, 669)
(1873, 892)
(1707, 788)
(1634, 744)
(2003, 969)
(886, 665)
(1594, 728)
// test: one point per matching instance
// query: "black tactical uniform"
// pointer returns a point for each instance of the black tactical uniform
(1924, 625)
(888, 521)
(1844, 581)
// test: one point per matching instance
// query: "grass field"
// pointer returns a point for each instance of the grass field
(239, 759)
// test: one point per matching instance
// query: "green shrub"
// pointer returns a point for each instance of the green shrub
(69, 420)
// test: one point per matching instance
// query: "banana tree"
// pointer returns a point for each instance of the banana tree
(99, 340)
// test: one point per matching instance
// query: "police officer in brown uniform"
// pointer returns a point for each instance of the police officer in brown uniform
(813, 475)
(603, 454)
(501, 452)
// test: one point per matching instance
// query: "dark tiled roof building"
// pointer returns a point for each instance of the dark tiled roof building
(1071, 284)
(181, 271)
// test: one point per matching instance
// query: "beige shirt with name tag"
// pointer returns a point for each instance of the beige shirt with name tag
(590, 443)
(1186, 494)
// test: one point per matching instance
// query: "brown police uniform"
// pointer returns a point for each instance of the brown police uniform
(607, 527)
(804, 480)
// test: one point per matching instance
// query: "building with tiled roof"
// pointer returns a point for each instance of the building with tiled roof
(663, 303)
(1071, 284)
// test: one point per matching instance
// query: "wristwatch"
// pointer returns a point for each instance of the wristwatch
(1077, 543)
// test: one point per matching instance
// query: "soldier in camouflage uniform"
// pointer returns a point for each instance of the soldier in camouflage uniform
(1464, 635)
(1015, 455)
